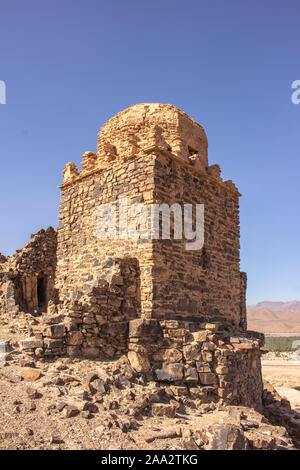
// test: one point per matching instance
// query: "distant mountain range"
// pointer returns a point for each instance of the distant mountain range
(274, 317)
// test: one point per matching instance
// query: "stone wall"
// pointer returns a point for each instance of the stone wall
(214, 365)
(200, 357)
(208, 280)
(27, 278)
(98, 326)
(83, 258)
(153, 154)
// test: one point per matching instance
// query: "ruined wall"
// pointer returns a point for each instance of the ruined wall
(28, 276)
(199, 359)
(9, 298)
(97, 323)
(213, 364)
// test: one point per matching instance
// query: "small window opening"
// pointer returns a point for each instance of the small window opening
(192, 151)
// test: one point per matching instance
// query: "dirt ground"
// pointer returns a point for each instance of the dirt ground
(56, 406)
(83, 404)
(284, 375)
(33, 415)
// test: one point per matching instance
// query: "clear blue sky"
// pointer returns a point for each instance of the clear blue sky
(69, 65)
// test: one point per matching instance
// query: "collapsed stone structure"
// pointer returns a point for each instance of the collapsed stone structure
(179, 315)
(27, 278)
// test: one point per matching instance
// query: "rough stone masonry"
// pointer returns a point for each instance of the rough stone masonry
(178, 315)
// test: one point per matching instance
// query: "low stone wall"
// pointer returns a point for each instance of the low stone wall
(59, 336)
(212, 364)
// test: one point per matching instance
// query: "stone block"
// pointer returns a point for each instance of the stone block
(75, 338)
(192, 352)
(162, 409)
(53, 343)
(203, 367)
(190, 374)
(52, 319)
(170, 372)
(200, 336)
(139, 362)
(168, 355)
(30, 374)
(31, 343)
(207, 356)
(208, 378)
(141, 328)
(55, 331)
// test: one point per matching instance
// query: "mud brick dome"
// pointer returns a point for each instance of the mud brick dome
(146, 125)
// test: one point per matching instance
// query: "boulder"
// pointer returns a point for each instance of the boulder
(162, 409)
(138, 362)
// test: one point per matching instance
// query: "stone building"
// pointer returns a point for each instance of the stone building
(154, 154)
(27, 278)
(179, 314)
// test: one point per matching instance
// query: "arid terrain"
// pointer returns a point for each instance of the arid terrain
(84, 404)
(274, 317)
(279, 319)
(283, 372)
(54, 412)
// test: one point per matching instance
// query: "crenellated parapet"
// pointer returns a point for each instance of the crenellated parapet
(70, 172)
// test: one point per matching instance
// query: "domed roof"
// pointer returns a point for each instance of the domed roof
(153, 124)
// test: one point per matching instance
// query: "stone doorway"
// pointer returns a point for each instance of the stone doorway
(42, 293)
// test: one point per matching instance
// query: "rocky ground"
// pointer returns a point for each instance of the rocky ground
(84, 404)
(80, 405)
(282, 370)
